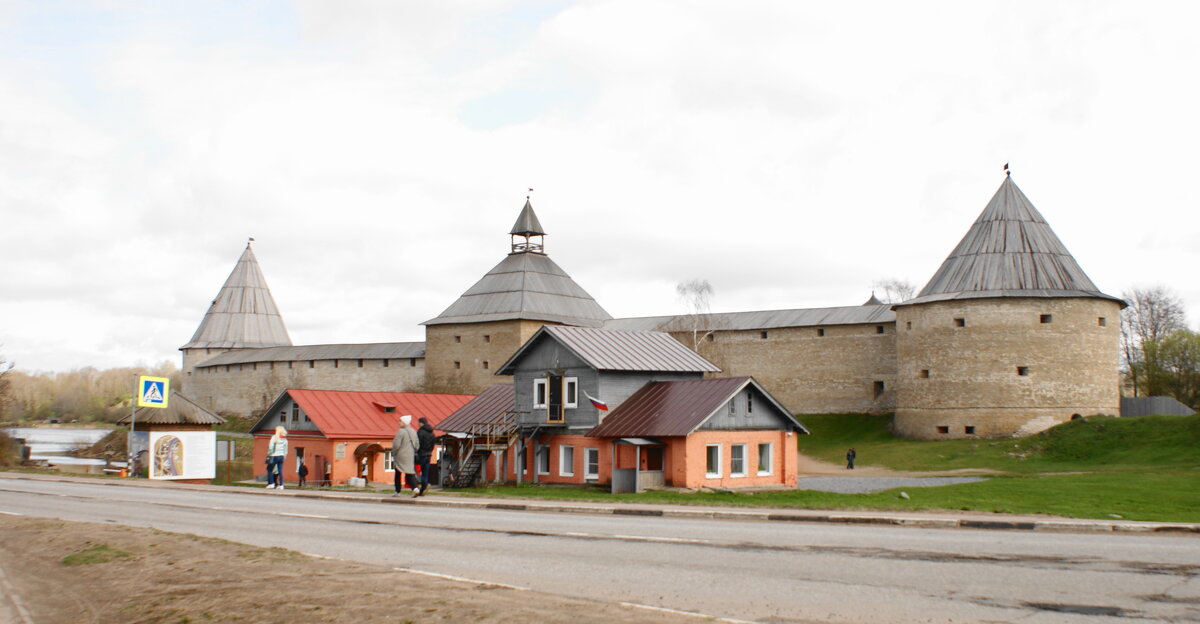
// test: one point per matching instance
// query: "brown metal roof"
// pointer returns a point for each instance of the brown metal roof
(487, 407)
(677, 408)
(619, 350)
(243, 314)
(180, 410)
(370, 351)
(1010, 251)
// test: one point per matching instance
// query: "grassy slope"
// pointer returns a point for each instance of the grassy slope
(1138, 469)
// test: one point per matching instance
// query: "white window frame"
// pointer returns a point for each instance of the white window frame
(770, 446)
(733, 448)
(540, 385)
(571, 383)
(588, 454)
(543, 450)
(566, 465)
(708, 474)
(387, 461)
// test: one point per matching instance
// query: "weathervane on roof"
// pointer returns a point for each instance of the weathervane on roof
(1007, 171)
(249, 241)
(530, 193)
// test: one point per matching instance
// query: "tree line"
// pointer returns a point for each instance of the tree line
(82, 395)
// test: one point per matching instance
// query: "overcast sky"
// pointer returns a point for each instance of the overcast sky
(791, 153)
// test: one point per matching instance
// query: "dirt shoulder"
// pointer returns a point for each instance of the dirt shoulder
(135, 575)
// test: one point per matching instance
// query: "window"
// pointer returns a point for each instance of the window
(387, 363)
(591, 459)
(387, 461)
(566, 461)
(571, 392)
(907, 324)
(487, 338)
(712, 461)
(543, 459)
(820, 331)
(485, 364)
(879, 329)
(283, 416)
(412, 362)
(360, 363)
(458, 339)
(335, 363)
(960, 322)
(763, 335)
(969, 429)
(732, 407)
(1023, 371)
(924, 374)
(943, 429)
(312, 363)
(764, 458)
(1047, 318)
(749, 403)
(295, 411)
(539, 393)
(1102, 322)
(879, 388)
(290, 364)
(457, 365)
(709, 337)
(737, 460)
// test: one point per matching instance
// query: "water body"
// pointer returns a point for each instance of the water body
(46, 443)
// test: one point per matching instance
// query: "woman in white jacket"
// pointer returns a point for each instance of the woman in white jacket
(276, 452)
(404, 449)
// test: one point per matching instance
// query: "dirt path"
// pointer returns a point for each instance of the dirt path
(810, 467)
(134, 575)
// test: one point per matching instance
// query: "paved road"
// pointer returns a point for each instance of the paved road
(749, 571)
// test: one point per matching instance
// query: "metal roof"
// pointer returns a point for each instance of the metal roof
(1010, 251)
(369, 351)
(677, 408)
(765, 319)
(348, 414)
(487, 407)
(180, 410)
(525, 285)
(243, 314)
(527, 223)
(619, 350)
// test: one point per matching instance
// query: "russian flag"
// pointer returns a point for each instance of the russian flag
(597, 403)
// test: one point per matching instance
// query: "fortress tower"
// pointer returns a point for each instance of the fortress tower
(466, 343)
(1010, 337)
(242, 316)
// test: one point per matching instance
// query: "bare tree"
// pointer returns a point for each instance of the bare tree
(696, 295)
(1152, 315)
(5, 384)
(894, 290)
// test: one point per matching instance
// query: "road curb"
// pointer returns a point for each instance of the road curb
(679, 511)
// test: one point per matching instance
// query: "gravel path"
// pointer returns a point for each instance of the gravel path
(866, 485)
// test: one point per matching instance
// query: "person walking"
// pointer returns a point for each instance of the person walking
(404, 448)
(302, 472)
(850, 455)
(276, 452)
(425, 442)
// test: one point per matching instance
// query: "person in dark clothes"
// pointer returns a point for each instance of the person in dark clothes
(425, 441)
(302, 473)
(850, 455)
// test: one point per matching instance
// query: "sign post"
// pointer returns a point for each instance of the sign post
(151, 392)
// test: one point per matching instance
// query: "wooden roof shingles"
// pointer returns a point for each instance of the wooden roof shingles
(243, 315)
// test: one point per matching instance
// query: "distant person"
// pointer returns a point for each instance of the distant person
(850, 455)
(276, 451)
(302, 472)
(404, 449)
(425, 441)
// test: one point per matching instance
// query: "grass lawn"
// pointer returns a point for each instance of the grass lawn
(1137, 468)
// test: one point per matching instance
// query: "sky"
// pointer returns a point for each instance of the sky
(791, 153)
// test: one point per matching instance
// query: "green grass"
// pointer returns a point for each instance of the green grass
(95, 554)
(1136, 468)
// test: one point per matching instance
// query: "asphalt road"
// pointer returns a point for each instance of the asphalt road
(746, 571)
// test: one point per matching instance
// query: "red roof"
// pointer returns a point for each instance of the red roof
(677, 408)
(347, 414)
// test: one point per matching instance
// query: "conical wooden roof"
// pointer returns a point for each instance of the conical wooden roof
(244, 314)
(1010, 251)
(527, 223)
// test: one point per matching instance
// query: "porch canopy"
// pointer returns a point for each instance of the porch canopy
(630, 479)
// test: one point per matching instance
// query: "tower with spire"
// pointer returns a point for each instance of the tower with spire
(479, 331)
(1009, 337)
(242, 316)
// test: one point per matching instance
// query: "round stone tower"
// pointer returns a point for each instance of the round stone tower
(1010, 337)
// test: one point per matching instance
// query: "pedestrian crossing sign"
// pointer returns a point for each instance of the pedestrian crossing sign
(152, 391)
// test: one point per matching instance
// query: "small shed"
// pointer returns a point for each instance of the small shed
(176, 442)
(342, 435)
